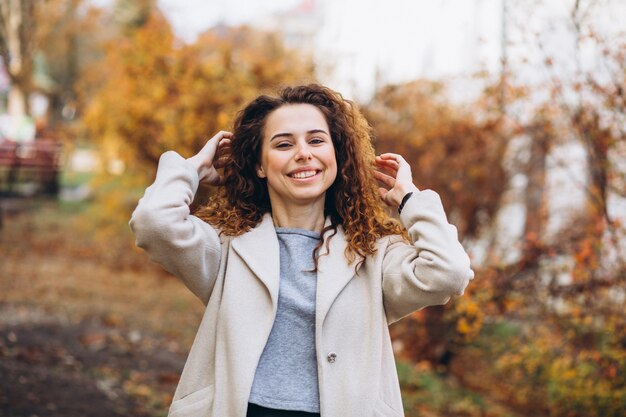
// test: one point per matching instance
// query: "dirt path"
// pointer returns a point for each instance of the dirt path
(87, 326)
(51, 367)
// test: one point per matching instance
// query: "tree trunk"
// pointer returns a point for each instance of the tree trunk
(18, 102)
(535, 198)
(17, 28)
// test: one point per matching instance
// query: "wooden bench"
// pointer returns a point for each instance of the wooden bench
(37, 162)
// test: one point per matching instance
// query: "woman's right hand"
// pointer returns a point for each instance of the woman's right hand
(212, 156)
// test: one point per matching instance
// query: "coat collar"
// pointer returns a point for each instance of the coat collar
(259, 249)
(333, 273)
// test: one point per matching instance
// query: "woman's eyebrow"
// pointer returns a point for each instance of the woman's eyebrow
(286, 134)
(318, 131)
(280, 135)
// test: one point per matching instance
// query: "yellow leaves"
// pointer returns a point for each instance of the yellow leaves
(159, 95)
(462, 326)
(469, 318)
(555, 369)
(140, 386)
(156, 95)
(137, 389)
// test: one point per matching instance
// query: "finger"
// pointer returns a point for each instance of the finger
(403, 167)
(221, 135)
(223, 149)
(384, 195)
(391, 170)
(220, 163)
(224, 146)
(222, 160)
(387, 164)
(378, 174)
(223, 156)
(389, 158)
(213, 143)
(392, 156)
(385, 179)
(383, 192)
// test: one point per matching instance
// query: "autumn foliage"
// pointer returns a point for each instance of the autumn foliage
(541, 330)
(542, 327)
(161, 94)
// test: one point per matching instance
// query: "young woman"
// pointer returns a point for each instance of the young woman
(299, 265)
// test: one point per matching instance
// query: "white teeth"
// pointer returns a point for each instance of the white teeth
(303, 174)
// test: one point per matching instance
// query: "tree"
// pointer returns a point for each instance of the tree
(160, 94)
(154, 93)
(544, 331)
(459, 152)
(17, 28)
(561, 302)
(453, 149)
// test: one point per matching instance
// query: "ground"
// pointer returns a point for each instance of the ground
(52, 367)
(89, 327)
(81, 334)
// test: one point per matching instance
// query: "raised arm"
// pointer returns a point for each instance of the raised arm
(434, 265)
(181, 243)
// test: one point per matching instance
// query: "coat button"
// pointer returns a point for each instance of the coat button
(331, 357)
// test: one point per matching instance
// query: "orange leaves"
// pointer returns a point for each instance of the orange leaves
(586, 255)
(156, 94)
(456, 151)
(159, 95)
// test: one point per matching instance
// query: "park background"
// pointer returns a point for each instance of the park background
(513, 111)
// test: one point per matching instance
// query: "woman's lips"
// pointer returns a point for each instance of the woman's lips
(304, 174)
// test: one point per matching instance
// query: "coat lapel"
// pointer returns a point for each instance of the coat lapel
(259, 249)
(333, 274)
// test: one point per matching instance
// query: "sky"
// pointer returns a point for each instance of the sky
(189, 17)
(364, 42)
(394, 40)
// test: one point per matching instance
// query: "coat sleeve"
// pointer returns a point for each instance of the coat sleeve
(429, 270)
(181, 243)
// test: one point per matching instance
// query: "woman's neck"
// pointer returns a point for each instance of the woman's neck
(308, 217)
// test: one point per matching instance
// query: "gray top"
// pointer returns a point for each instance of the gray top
(286, 376)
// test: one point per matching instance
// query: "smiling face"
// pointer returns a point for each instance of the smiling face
(297, 156)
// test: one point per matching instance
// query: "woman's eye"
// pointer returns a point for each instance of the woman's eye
(316, 141)
(283, 145)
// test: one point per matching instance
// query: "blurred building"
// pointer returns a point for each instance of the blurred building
(298, 25)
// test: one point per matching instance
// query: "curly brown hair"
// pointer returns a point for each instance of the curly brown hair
(352, 201)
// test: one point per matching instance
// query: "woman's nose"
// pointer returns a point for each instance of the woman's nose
(303, 153)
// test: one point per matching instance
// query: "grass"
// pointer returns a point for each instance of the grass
(71, 179)
(427, 392)
(49, 264)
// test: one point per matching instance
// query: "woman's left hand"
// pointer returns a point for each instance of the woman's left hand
(393, 173)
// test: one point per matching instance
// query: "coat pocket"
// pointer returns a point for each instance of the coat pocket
(382, 409)
(196, 404)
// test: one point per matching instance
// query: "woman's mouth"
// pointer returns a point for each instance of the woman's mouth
(303, 174)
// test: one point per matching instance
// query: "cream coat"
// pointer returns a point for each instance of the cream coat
(237, 278)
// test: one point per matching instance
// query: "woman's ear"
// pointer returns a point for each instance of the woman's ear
(260, 172)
